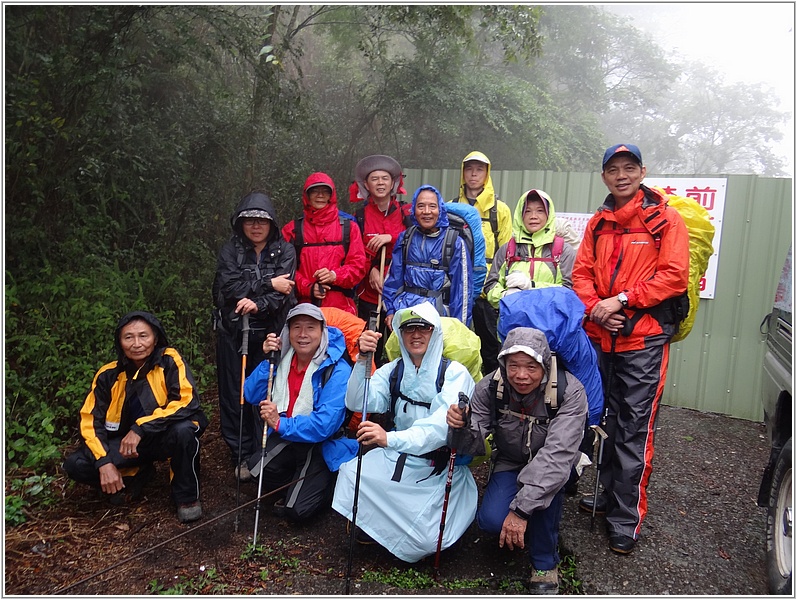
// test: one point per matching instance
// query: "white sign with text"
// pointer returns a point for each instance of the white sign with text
(707, 191)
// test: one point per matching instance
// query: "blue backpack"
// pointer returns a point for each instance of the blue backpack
(557, 312)
(474, 240)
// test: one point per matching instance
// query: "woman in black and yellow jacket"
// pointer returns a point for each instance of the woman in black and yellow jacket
(141, 408)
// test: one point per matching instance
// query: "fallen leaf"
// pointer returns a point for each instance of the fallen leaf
(122, 527)
(724, 554)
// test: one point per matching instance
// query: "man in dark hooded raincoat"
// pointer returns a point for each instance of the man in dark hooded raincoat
(255, 277)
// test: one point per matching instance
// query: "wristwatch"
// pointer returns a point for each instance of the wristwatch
(623, 299)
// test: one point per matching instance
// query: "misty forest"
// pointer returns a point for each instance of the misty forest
(131, 132)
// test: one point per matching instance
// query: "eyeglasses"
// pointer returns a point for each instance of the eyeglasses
(319, 191)
(255, 221)
(414, 328)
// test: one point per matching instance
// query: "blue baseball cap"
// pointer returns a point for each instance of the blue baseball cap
(621, 148)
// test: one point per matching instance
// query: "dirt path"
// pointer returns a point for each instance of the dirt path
(704, 535)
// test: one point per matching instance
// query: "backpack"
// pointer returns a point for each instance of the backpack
(345, 221)
(554, 394)
(466, 220)
(679, 310)
(556, 255)
(558, 313)
(298, 235)
(701, 234)
(440, 456)
(359, 214)
(458, 228)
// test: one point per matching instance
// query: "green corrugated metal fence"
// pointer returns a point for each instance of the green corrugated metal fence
(718, 367)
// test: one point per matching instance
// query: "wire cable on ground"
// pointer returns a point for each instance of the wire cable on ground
(171, 539)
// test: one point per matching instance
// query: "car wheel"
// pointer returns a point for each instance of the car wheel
(779, 525)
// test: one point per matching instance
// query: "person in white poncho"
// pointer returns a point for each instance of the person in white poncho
(401, 492)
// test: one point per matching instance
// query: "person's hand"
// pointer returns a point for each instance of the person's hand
(282, 284)
(371, 434)
(513, 531)
(246, 306)
(325, 276)
(269, 413)
(389, 321)
(111, 479)
(129, 446)
(318, 291)
(455, 416)
(606, 313)
(368, 341)
(518, 280)
(377, 241)
(272, 343)
(375, 279)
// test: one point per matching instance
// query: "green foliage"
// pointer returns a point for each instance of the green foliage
(569, 583)
(204, 583)
(409, 579)
(59, 331)
(32, 491)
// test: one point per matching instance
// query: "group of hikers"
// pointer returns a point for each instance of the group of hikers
(325, 414)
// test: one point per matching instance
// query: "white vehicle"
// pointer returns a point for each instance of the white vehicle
(775, 493)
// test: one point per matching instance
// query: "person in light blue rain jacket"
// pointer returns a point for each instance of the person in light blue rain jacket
(430, 262)
(305, 414)
(403, 474)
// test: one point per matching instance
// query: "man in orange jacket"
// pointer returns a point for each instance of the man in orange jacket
(631, 273)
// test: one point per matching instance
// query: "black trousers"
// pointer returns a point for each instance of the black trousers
(179, 444)
(288, 461)
(485, 324)
(228, 373)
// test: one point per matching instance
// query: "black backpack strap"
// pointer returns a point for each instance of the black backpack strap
(494, 223)
(449, 245)
(394, 384)
(345, 225)
(359, 214)
(298, 237)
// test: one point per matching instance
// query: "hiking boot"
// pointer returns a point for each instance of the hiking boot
(137, 483)
(359, 535)
(622, 544)
(117, 498)
(363, 538)
(242, 473)
(544, 582)
(585, 504)
(278, 509)
(189, 511)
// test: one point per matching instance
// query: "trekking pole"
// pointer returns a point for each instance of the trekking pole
(271, 357)
(601, 430)
(371, 327)
(244, 353)
(462, 405)
(381, 291)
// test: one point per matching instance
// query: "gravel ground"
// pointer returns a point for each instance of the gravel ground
(704, 533)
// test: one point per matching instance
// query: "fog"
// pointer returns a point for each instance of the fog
(747, 42)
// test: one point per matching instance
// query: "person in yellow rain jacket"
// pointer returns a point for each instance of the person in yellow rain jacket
(476, 189)
(141, 408)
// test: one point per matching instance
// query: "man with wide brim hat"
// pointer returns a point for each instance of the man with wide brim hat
(378, 182)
